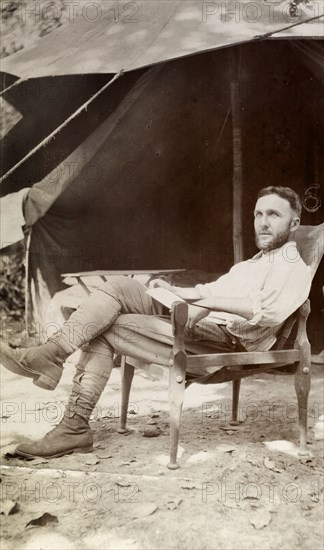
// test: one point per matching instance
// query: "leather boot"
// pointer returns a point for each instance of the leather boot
(44, 364)
(71, 435)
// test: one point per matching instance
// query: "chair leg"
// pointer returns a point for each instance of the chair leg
(127, 373)
(236, 385)
(177, 374)
(302, 387)
(176, 398)
(303, 376)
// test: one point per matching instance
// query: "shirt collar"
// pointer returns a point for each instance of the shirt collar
(274, 252)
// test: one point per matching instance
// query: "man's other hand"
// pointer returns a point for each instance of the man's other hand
(195, 314)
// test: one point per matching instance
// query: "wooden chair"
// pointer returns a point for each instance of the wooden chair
(235, 366)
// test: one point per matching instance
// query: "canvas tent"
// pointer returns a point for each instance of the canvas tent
(143, 179)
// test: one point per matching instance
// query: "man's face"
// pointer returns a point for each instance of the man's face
(273, 221)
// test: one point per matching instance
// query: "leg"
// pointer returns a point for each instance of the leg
(127, 373)
(73, 433)
(176, 397)
(236, 384)
(44, 364)
(302, 387)
(144, 337)
(303, 376)
(177, 379)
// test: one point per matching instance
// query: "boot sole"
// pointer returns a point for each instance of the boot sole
(46, 381)
(57, 455)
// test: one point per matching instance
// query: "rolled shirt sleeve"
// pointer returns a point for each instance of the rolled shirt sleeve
(285, 289)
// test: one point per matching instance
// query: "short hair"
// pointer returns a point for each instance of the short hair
(285, 193)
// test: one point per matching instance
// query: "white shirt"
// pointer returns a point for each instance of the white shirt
(277, 283)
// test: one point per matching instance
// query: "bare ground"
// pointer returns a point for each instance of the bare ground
(231, 491)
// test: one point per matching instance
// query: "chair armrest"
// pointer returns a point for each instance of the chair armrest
(179, 318)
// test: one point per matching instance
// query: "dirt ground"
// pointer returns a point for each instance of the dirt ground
(237, 488)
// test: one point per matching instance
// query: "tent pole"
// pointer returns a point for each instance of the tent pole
(237, 165)
(27, 295)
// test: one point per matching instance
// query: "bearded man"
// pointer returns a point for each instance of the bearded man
(242, 310)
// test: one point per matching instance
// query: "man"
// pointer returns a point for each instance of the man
(242, 310)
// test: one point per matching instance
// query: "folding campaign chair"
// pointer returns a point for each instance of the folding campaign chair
(235, 366)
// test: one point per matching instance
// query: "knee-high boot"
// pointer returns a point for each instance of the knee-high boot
(73, 433)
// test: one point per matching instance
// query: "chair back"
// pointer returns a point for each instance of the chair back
(310, 244)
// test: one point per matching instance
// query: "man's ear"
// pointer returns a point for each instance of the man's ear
(295, 222)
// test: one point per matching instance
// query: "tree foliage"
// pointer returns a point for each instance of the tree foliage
(12, 285)
(22, 24)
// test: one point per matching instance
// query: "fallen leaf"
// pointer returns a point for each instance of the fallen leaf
(144, 510)
(188, 485)
(42, 521)
(8, 507)
(104, 456)
(173, 503)
(229, 428)
(151, 423)
(260, 519)
(91, 460)
(124, 483)
(251, 498)
(306, 460)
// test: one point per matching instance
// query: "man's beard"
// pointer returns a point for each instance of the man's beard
(276, 242)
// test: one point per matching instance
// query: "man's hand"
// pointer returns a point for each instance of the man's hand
(159, 283)
(195, 314)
